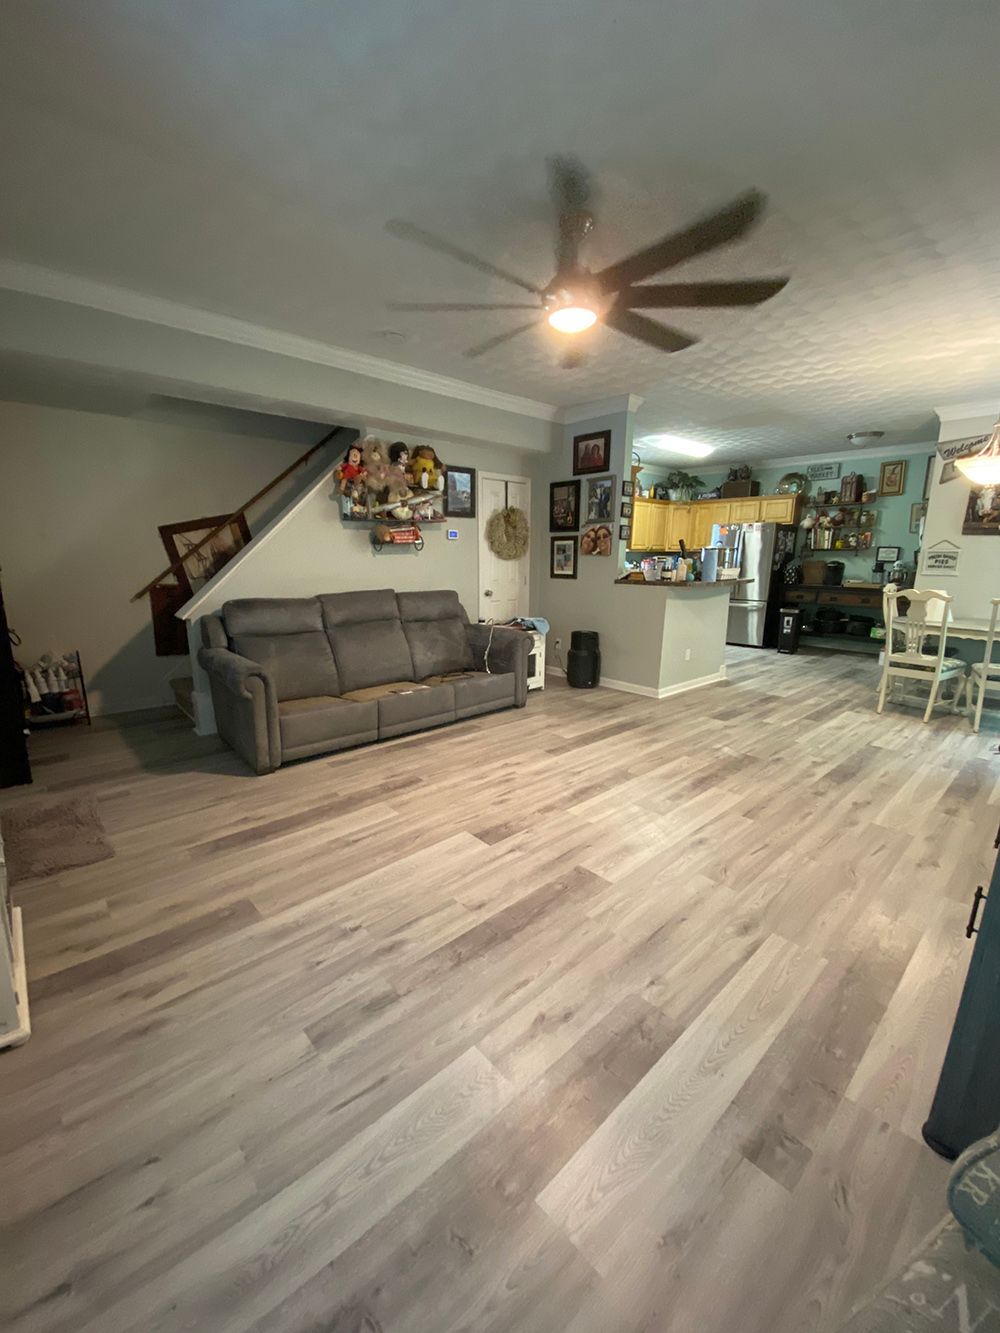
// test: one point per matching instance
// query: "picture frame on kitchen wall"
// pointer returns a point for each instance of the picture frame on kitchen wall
(892, 477)
(624, 532)
(917, 512)
(626, 509)
(562, 557)
(592, 453)
(927, 478)
(564, 506)
(627, 489)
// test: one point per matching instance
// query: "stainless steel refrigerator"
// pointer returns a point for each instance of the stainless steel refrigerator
(754, 601)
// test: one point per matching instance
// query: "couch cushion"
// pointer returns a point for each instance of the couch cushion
(423, 706)
(379, 691)
(367, 638)
(434, 624)
(479, 692)
(313, 721)
(286, 636)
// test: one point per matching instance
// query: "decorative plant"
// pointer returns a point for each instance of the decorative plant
(679, 480)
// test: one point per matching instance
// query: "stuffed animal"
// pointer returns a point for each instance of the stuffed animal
(397, 486)
(376, 462)
(350, 472)
(426, 469)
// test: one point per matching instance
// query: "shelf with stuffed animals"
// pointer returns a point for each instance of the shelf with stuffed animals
(390, 483)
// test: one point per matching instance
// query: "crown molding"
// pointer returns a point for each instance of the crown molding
(966, 411)
(604, 407)
(33, 280)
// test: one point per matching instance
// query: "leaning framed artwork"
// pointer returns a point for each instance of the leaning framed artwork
(180, 539)
(892, 477)
(592, 453)
(564, 506)
(460, 492)
(562, 559)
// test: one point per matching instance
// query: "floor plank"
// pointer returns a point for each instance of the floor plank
(605, 1016)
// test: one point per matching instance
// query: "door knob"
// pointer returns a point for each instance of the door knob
(488, 592)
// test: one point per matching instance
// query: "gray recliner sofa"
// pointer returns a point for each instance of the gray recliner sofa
(297, 676)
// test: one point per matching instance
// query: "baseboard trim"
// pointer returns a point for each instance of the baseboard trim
(649, 692)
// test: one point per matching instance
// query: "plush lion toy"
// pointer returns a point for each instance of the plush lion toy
(426, 469)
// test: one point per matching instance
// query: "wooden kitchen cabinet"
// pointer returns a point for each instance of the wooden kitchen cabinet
(706, 514)
(743, 511)
(642, 513)
(677, 528)
(778, 509)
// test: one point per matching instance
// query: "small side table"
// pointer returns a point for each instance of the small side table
(536, 660)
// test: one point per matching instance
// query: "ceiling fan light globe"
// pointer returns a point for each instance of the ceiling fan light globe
(572, 318)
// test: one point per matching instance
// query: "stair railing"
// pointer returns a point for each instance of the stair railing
(178, 564)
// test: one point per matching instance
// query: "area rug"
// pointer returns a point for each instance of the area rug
(45, 839)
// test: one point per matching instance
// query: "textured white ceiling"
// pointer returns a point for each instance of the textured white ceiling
(243, 156)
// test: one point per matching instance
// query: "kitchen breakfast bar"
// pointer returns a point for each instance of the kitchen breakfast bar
(675, 632)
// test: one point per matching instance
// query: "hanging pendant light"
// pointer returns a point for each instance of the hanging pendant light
(982, 468)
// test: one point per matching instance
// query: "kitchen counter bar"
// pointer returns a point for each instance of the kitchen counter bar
(679, 587)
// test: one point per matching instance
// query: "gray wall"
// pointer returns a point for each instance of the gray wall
(81, 495)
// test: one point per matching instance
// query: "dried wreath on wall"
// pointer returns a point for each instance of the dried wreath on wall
(507, 533)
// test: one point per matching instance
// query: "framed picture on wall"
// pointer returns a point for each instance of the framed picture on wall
(597, 540)
(562, 561)
(626, 509)
(460, 492)
(624, 532)
(982, 513)
(888, 555)
(180, 539)
(592, 453)
(917, 511)
(892, 477)
(927, 478)
(600, 499)
(564, 506)
(627, 489)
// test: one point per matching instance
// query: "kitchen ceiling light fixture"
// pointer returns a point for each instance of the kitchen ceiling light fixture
(677, 444)
(983, 467)
(860, 438)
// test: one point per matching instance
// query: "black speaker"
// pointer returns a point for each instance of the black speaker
(583, 661)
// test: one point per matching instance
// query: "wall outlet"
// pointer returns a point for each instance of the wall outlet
(687, 654)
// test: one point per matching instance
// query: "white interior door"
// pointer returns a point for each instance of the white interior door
(503, 584)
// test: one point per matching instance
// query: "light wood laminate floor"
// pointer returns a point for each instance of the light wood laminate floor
(603, 1016)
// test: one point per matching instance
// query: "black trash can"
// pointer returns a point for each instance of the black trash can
(789, 627)
(583, 661)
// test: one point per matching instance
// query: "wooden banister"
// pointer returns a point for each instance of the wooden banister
(178, 564)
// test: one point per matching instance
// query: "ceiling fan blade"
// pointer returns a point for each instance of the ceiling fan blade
(657, 335)
(456, 305)
(490, 343)
(408, 231)
(675, 295)
(728, 224)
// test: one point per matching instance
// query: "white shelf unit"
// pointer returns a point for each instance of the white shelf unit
(536, 660)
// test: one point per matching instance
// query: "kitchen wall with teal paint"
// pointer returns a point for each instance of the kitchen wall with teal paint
(893, 523)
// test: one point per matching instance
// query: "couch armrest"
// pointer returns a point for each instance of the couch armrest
(507, 652)
(246, 707)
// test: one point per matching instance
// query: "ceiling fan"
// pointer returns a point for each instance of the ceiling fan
(576, 298)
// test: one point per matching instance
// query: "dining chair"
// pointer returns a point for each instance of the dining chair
(984, 675)
(926, 618)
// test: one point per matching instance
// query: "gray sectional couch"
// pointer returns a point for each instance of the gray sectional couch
(297, 676)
